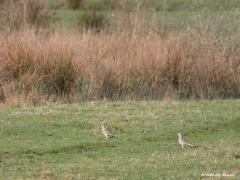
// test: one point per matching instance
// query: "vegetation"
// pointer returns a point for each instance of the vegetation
(194, 5)
(92, 20)
(134, 63)
(17, 15)
(72, 4)
(64, 141)
(94, 51)
(157, 5)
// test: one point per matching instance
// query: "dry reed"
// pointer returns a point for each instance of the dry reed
(72, 66)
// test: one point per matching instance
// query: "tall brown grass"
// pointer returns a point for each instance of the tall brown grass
(20, 14)
(73, 66)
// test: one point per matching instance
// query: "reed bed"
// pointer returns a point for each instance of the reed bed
(73, 66)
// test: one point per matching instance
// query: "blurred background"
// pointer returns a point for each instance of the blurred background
(166, 15)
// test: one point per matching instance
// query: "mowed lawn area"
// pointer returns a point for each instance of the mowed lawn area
(65, 141)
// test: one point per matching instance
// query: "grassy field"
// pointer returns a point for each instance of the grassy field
(170, 5)
(175, 12)
(64, 141)
(66, 18)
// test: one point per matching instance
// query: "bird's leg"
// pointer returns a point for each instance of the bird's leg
(182, 146)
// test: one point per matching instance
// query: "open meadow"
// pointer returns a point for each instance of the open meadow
(65, 142)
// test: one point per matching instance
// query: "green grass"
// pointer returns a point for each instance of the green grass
(64, 141)
(194, 5)
(171, 5)
(172, 11)
(171, 14)
(180, 19)
(67, 18)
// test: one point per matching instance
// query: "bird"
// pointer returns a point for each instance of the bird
(106, 131)
(182, 141)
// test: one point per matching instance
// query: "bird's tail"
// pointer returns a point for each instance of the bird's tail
(190, 145)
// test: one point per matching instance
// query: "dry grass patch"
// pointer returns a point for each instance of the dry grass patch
(72, 66)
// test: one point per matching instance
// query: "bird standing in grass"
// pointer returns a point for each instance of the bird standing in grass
(182, 141)
(106, 132)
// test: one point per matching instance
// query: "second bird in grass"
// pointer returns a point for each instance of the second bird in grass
(106, 131)
(182, 141)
